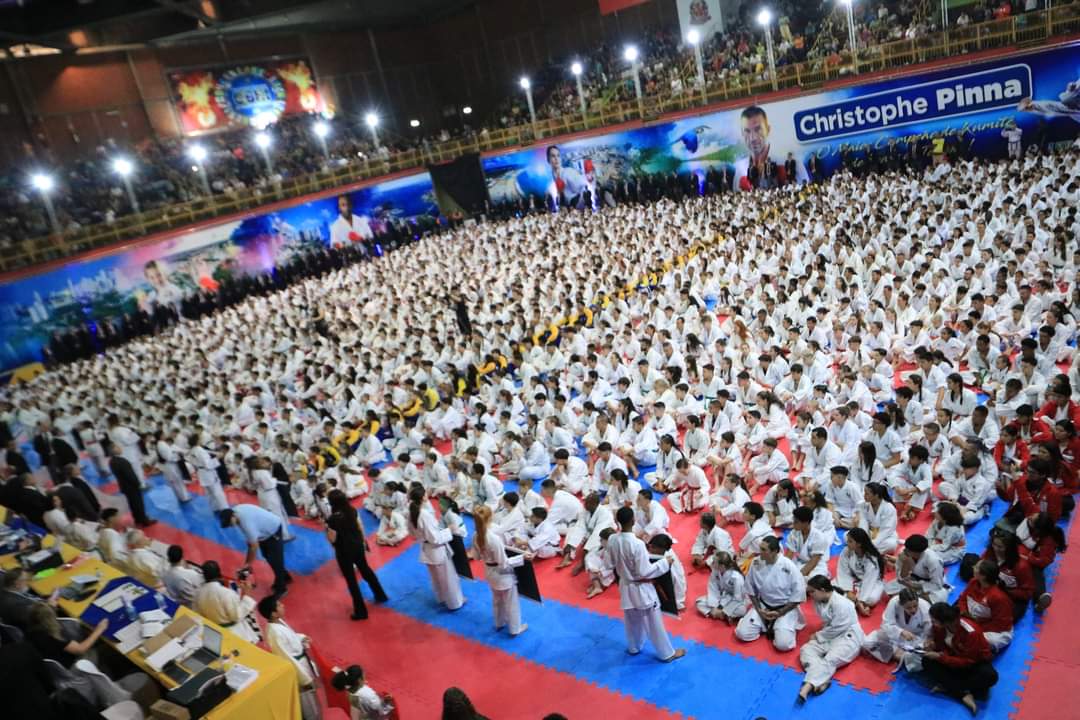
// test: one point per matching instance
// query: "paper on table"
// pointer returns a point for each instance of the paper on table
(128, 638)
(154, 616)
(170, 651)
(150, 629)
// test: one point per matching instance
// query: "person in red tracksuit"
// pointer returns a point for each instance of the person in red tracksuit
(1044, 542)
(986, 604)
(957, 658)
(1011, 453)
(1032, 430)
(1015, 575)
(1031, 494)
(1069, 444)
(1059, 406)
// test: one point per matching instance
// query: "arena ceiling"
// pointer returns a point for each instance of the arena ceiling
(49, 26)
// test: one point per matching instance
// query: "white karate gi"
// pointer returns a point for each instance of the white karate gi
(564, 511)
(499, 573)
(836, 644)
(717, 540)
(693, 490)
(392, 530)
(860, 575)
(774, 585)
(640, 605)
(289, 644)
(182, 582)
(929, 576)
(436, 555)
(727, 591)
(803, 548)
(880, 524)
(771, 469)
(543, 539)
(206, 469)
(651, 522)
(883, 643)
(270, 499)
(170, 468)
(576, 476)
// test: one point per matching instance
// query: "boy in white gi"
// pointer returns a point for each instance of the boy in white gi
(640, 605)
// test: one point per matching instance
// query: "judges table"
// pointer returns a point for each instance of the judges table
(274, 695)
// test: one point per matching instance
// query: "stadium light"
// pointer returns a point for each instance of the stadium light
(764, 18)
(851, 31)
(694, 38)
(526, 85)
(467, 110)
(263, 140)
(321, 130)
(414, 123)
(372, 121)
(124, 168)
(631, 54)
(44, 184)
(198, 154)
(577, 70)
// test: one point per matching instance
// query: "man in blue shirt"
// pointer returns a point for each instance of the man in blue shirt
(262, 529)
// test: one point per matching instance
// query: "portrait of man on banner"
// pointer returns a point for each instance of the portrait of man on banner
(758, 168)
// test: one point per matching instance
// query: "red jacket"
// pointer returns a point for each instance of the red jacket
(1048, 499)
(1020, 452)
(993, 597)
(1042, 555)
(1017, 581)
(1049, 411)
(1036, 432)
(967, 647)
(1070, 465)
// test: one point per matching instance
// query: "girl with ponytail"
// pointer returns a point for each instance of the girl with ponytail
(435, 552)
(488, 548)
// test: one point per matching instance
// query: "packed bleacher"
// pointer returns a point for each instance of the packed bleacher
(90, 193)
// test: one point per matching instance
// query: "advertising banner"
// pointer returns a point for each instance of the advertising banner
(705, 16)
(1038, 93)
(34, 307)
(249, 95)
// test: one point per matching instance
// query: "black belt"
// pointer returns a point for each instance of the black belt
(771, 607)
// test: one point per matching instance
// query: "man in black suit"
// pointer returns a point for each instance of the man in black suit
(78, 500)
(15, 460)
(129, 485)
(22, 496)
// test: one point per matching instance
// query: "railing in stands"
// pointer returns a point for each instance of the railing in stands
(1017, 31)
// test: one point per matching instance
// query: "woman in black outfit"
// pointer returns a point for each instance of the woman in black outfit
(343, 530)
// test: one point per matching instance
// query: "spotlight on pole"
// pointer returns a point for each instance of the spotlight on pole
(631, 53)
(262, 140)
(693, 37)
(764, 17)
(42, 182)
(321, 129)
(524, 83)
(467, 110)
(197, 153)
(123, 167)
(576, 69)
(414, 123)
(371, 120)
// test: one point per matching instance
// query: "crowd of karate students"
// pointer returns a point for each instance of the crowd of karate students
(865, 363)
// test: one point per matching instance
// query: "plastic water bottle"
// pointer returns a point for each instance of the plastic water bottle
(129, 609)
(160, 600)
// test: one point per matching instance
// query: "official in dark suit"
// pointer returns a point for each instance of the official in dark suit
(129, 486)
(74, 499)
(73, 475)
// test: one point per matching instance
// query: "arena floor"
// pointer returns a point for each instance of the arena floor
(572, 660)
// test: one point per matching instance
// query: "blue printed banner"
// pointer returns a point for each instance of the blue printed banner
(949, 97)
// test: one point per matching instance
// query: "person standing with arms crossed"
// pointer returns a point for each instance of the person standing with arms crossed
(344, 532)
(130, 485)
(640, 604)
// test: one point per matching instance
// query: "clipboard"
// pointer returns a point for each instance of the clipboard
(461, 558)
(526, 577)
